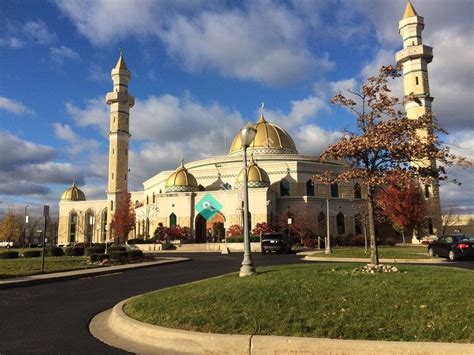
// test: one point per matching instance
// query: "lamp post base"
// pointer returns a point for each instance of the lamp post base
(328, 251)
(247, 270)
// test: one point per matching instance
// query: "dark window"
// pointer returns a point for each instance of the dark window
(416, 80)
(111, 205)
(284, 188)
(357, 191)
(153, 197)
(72, 227)
(334, 190)
(172, 220)
(341, 228)
(147, 200)
(427, 191)
(358, 224)
(310, 188)
(430, 226)
(103, 224)
(321, 223)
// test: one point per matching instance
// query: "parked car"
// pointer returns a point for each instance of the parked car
(276, 242)
(453, 246)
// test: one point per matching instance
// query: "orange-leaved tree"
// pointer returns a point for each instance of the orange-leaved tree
(402, 205)
(384, 144)
(123, 220)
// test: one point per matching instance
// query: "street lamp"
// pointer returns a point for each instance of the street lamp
(26, 222)
(247, 135)
(91, 223)
(328, 236)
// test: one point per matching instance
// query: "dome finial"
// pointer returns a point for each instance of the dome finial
(74, 181)
(262, 110)
(121, 62)
(182, 160)
(409, 10)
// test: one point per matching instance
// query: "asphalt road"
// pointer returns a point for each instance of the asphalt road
(54, 317)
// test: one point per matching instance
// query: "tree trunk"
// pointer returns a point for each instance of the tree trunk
(374, 255)
(403, 237)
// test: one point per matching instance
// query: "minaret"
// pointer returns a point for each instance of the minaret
(120, 103)
(415, 57)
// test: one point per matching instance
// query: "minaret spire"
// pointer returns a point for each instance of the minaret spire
(415, 57)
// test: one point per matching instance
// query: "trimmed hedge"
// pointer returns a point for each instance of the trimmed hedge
(168, 246)
(118, 255)
(94, 250)
(116, 248)
(54, 251)
(141, 241)
(240, 239)
(9, 255)
(31, 253)
(99, 257)
(74, 251)
(134, 254)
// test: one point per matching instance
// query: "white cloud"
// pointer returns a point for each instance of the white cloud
(15, 107)
(12, 42)
(95, 113)
(62, 53)
(313, 140)
(38, 32)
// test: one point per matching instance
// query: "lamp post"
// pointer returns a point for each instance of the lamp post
(26, 222)
(91, 223)
(328, 236)
(247, 135)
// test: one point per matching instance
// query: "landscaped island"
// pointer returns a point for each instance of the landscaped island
(320, 300)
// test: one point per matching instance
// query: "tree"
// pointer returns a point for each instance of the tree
(402, 205)
(384, 144)
(123, 220)
(234, 230)
(263, 228)
(11, 227)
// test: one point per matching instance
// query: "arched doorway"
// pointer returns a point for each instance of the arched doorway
(216, 225)
(200, 229)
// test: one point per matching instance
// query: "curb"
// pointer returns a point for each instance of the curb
(365, 260)
(115, 328)
(78, 274)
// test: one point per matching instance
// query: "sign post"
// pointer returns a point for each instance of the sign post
(46, 217)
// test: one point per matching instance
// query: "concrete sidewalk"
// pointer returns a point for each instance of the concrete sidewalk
(78, 274)
(115, 328)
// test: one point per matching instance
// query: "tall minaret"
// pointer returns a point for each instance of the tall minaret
(120, 102)
(415, 57)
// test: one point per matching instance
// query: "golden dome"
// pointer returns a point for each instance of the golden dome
(181, 181)
(269, 139)
(73, 194)
(257, 177)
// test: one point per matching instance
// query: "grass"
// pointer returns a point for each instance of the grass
(401, 252)
(32, 266)
(321, 300)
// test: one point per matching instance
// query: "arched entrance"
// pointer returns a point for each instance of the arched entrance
(216, 225)
(200, 229)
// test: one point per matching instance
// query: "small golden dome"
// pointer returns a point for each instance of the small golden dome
(181, 181)
(257, 177)
(269, 139)
(73, 194)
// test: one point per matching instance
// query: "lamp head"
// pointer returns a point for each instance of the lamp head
(247, 134)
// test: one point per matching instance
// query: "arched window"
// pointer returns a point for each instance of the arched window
(72, 227)
(147, 200)
(427, 191)
(334, 190)
(357, 191)
(341, 228)
(103, 225)
(309, 188)
(284, 187)
(358, 224)
(88, 226)
(172, 220)
(322, 224)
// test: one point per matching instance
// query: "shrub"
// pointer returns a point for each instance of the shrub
(134, 254)
(74, 251)
(98, 257)
(118, 255)
(54, 251)
(240, 239)
(359, 241)
(135, 241)
(31, 253)
(116, 248)
(9, 255)
(94, 250)
(167, 246)
(234, 231)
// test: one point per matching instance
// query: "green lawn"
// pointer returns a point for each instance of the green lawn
(401, 252)
(321, 300)
(31, 266)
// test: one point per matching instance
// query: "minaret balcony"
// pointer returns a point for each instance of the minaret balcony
(415, 52)
(120, 97)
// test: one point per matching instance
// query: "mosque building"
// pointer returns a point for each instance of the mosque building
(280, 180)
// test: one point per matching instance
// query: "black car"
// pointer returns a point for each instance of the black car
(276, 242)
(453, 246)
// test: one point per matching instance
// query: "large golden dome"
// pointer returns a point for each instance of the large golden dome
(270, 139)
(181, 181)
(73, 194)
(257, 177)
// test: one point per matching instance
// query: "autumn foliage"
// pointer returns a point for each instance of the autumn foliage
(11, 227)
(262, 228)
(123, 220)
(402, 205)
(234, 231)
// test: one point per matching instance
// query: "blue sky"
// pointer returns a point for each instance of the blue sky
(198, 67)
